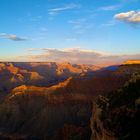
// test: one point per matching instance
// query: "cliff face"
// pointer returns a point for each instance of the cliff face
(57, 112)
(37, 117)
(116, 115)
(62, 111)
(97, 126)
(38, 74)
(130, 62)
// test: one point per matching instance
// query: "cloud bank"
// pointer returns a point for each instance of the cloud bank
(75, 55)
(132, 17)
(11, 37)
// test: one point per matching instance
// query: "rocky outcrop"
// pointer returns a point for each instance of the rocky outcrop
(116, 115)
(99, 132)
(38, 73)
(35, 117)
(130, 62)
(24, 89)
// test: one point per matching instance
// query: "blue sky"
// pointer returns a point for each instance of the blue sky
(37, 30)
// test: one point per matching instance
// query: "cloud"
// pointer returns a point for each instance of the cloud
(11, 37)
(109, 8)
(71, 38)
(75, 55)
(132, 17)
(37, 18)
(82, 25)
(108, 24)
(57, 10)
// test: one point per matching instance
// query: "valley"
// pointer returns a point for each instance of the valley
(31, 108)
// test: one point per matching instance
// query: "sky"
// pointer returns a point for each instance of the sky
(78, 31)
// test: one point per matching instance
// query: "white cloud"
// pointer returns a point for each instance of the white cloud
(37, 18)
(71, 38)
(57, 10)
(108, 24)
(75, 55)
(11, 37)
(129, 17)
(82, 25)
(123, 16)
(109, 8)
(78, 21)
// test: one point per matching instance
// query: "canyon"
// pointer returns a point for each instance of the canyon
(63, 101)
